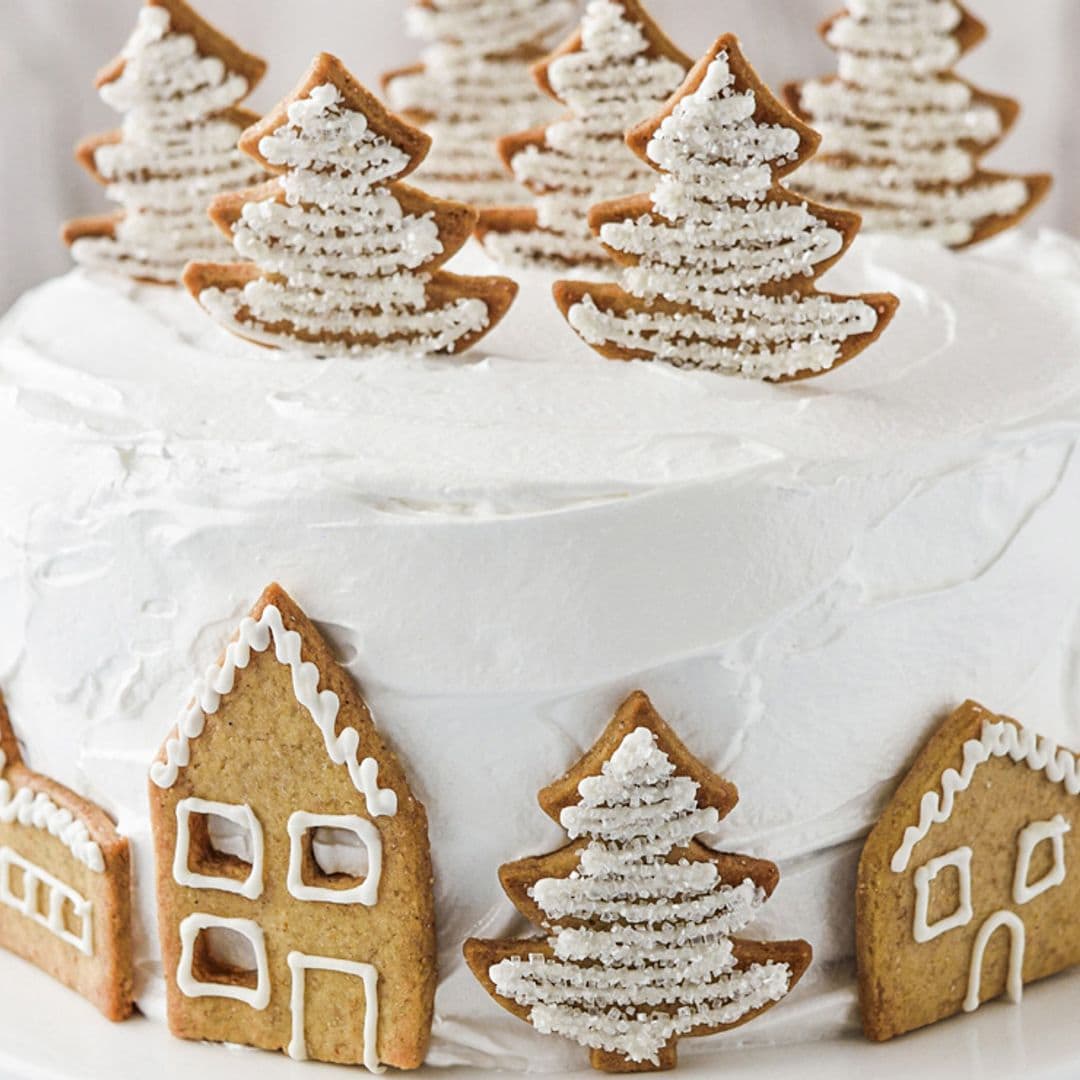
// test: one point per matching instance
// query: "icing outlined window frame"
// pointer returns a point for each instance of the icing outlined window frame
(1031, 838)
(924, 878)
(34, 877)
(257, 996)
(367, 892)
(240, 814)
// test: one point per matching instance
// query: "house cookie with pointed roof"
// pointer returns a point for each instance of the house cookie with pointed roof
(967, 888)
(294, 877)
(65, 884)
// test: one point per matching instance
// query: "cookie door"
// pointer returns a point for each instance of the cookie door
(335, 1010)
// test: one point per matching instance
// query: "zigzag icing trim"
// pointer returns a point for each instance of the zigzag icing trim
(998, 739)
(36, 810)
(255, 637)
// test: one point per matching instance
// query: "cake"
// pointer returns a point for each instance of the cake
(501, 547)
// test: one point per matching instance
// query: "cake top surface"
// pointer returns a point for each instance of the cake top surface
(533, 422)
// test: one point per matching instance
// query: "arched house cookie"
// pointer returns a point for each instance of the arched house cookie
(294, 879)
(967, 888)
(65, 884)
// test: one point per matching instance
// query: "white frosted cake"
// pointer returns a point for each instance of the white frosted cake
(500, 547)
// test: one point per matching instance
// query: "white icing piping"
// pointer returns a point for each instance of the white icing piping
(661, 962)
(609, 85)
(1014, 986)
(1031, 837)
(36, 810)
(57, 892)
(367, 892)
(998, 739)
(343, 252)
(323, 706)
(715, 240)
(175, 154)
(299, 965)
(901, 134)
(475, 89)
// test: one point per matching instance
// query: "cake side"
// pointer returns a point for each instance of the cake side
(501, 549)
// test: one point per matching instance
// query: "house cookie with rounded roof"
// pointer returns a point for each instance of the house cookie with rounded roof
(294, 879)
(968, 883)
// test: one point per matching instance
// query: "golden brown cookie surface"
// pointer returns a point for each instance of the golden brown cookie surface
(964, 887)
(294, 876)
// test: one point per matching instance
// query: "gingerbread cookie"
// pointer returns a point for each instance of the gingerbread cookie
(614, 72)
(720, 259)
(65, 884)
(294, 880)
(903, 134)
(638, 914)
(473, 85)
(345, 258)
(178, 83)
(964, 889)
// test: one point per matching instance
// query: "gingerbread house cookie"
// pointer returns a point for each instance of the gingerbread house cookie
(966, 884)
(65, 884)
(294, 877)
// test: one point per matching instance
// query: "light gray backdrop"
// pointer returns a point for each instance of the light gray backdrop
(50, 49)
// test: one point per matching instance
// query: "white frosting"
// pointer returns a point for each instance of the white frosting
(663, 963)
(256, 636)
(501, 548)
(716, 241)
(35, 810)
(609, 84)
(175, 153)
(998, 739)
(902, 135)
(342, 251)
(474, 85)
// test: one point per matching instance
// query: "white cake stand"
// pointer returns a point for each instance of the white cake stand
(48, 1033)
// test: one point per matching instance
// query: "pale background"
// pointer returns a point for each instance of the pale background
(50, 49)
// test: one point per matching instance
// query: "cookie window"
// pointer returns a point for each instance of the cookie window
(46, 900)
(936, 887)
(218, 846)
(334, 858)
(223, 958)
(1029, 849)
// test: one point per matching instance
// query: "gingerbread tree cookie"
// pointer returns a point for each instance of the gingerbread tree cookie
(294, 879)
(473, 85)
(902, 134)
(720, 260)
(638, 914)
(65, 884)
(345, 259)
(614, 72)
(178, 84)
